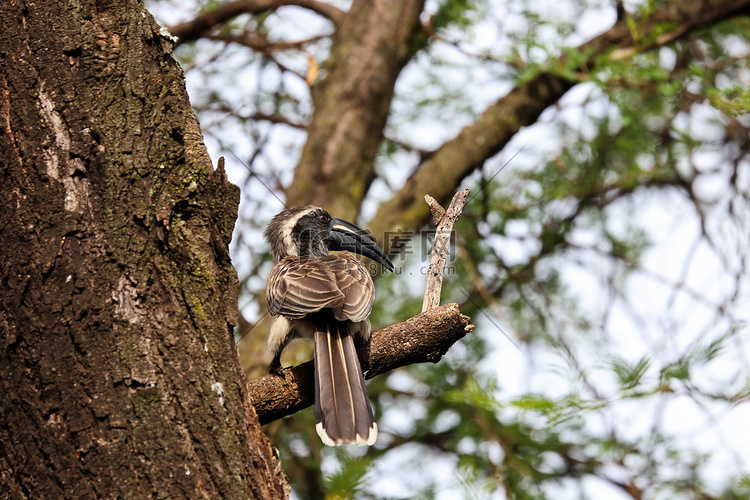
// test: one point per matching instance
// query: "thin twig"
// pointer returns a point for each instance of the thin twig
(444, 220)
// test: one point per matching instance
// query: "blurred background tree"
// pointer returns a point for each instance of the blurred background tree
(602, 253)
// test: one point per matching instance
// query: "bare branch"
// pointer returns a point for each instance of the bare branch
(335, 14)
(194, 29)
(278, 119)
(437, 211)
(444, 220)
(422, 338)
(275, 118)
(424, 154)
(259, 42)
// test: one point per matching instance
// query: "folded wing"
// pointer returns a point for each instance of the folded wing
(299, 286)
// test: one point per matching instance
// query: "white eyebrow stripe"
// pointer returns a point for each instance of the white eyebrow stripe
(287, 228)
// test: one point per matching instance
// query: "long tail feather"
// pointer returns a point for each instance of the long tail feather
(342, 408)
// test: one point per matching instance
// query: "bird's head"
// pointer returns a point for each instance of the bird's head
(312, 232)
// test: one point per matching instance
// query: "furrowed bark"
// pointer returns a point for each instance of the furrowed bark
(118, 368)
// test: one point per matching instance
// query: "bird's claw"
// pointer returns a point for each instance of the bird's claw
(275, 368)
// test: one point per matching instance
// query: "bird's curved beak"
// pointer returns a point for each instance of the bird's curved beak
(348, 236)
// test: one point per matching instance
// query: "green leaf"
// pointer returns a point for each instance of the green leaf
(629, 374)
(349, 481)
(679, 370)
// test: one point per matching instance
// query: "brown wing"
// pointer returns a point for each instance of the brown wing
(300, 286)
(355, 283)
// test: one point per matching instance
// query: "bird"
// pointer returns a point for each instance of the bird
(327, 297)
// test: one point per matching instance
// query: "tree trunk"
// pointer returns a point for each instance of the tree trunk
(370, 48)
(119, 373)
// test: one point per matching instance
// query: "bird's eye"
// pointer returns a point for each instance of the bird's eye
(324, 218)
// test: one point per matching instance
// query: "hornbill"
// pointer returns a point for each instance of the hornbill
(326, 297)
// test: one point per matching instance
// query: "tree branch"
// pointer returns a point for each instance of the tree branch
(422, 338)
(192, 30)
(335, 14)
(443, 220)
(275, 118)
(259, 42)
(477, 142)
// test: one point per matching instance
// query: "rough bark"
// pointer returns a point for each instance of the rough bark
(423, 338)
(373, 42)
(453, 161)
(118, 369)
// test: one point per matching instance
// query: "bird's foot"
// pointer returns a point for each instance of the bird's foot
(275, 368)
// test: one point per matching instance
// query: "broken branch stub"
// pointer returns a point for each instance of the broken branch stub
(444, 221)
